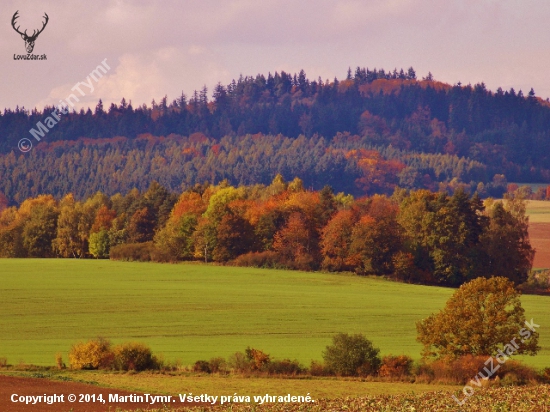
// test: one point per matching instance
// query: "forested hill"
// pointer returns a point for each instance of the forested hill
(426, 126)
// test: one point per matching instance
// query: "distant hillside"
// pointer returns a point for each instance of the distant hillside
(117, 165)
(417, 122)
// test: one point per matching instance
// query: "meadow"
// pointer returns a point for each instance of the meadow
(189, 312)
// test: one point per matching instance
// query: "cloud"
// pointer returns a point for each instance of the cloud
(141, 77)
(164, 47)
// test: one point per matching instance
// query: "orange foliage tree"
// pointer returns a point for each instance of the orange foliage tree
(377, 174)
(336, 240)
(293, 243)
(103, 219)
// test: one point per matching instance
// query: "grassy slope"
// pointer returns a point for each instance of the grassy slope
(192, 312)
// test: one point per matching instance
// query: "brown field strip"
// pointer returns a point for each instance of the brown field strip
(539, 234)
(10, 385)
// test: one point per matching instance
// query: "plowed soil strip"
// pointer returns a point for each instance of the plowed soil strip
(10, 386)
(539, 235)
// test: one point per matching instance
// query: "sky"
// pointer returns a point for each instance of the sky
(158, 48)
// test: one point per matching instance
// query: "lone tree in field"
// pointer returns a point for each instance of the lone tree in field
(481, 317)
(352, 355)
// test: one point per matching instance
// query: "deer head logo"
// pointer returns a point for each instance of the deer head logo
(29, 40)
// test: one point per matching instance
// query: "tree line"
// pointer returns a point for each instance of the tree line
(505, 130)
(414, 236)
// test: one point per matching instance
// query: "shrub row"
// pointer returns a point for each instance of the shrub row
(349, 355)
(140, 252)
(100, 354)
(132, 252)
(149, 252)
(392, 367)
(250, 361)
(462, 370)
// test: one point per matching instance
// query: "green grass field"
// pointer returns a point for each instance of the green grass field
(191, 311)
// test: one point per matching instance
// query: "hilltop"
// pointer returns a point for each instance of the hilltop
(437, 135)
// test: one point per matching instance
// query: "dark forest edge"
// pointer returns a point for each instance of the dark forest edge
(433, 133)
(412, 236)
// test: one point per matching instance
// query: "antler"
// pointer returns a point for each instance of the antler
(34, 35)
(15, 16)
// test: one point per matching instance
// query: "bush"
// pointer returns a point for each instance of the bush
(133, 356)
(3, 362)
(317, 369)
(352, 355)
(457, 371)
(131, 252)
(218, 365)
(251, 361)
(285, 367)
(257, 359)
(396, 366)
(273, 260)
(537, 282)
(202, 366)
(514, 373)
(544, 376)
(423, 372)
(162, 256)
(94, 354)
(303, 262)
(462, 370)
(238, 362)
(267, 259)
(59, 361)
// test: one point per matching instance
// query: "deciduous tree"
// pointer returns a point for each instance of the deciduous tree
(141, 226)
(99, 244)
(376, 238)
(506, 241)
(336, 240)
(68, 242)
(234, 237)
(103, 219)
(481, 317)
(292, 242)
